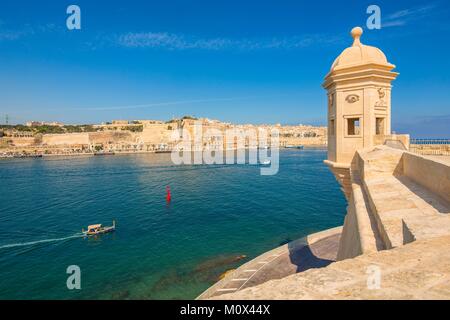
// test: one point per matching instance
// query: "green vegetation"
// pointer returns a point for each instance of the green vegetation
(133, 129)
(45, 129)
(18, 127)
(183, 118)
(49, 129)
(71, 128)
(88, 128)
(189, 118)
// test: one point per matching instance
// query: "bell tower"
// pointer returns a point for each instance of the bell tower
(359, 100)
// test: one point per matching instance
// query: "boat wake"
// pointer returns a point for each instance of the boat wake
(22, 244)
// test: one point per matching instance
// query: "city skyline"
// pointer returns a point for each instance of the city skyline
(158, 61)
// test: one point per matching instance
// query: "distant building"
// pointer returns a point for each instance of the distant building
(144, 122)
(120, 122)
(42, 123)
(18, 134)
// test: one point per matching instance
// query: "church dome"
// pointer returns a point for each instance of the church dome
(359, 54)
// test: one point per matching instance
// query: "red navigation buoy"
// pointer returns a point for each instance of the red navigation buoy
(168, 196)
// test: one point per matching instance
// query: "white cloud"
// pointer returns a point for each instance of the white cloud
(402, 17)
(10, 35)
(181, 42)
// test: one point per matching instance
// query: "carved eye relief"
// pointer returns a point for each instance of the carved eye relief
(352, 98)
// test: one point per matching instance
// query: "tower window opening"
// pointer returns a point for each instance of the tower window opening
(353, 126)
(379, 126)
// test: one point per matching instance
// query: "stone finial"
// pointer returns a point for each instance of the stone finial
(356, 34)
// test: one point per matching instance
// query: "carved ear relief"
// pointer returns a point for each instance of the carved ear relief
(381, 95)
(352, 98)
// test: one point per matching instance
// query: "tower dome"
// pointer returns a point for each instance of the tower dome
(359, 54)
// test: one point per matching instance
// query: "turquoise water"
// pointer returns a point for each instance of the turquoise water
(159, 251)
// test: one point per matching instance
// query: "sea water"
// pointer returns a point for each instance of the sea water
(220, 216)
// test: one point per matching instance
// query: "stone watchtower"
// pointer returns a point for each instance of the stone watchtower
(359, 103)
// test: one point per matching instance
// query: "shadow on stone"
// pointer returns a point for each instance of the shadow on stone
(317, 255)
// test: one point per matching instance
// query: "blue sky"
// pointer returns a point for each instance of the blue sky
(237, 61)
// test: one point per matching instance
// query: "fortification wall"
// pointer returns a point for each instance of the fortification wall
(109, 137)
(350, 242)
(155, 134)
(396, 198)
(429, 173)
(65, 139)
(18, 141)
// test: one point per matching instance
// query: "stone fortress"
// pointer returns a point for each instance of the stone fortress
(122, 136)
(395, 241)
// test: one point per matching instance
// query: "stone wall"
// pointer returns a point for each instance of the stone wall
(402, 140)
(65, 139)
(429, 173)
(397, 197)
(157, 133)
(18, 141)
(112, 137)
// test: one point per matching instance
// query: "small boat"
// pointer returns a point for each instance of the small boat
(104, 153)
(294, 147)
(163, 151)
(266, 162)
(95, 229)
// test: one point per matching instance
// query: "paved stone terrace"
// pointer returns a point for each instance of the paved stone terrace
(315, 251)
(419, 270)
